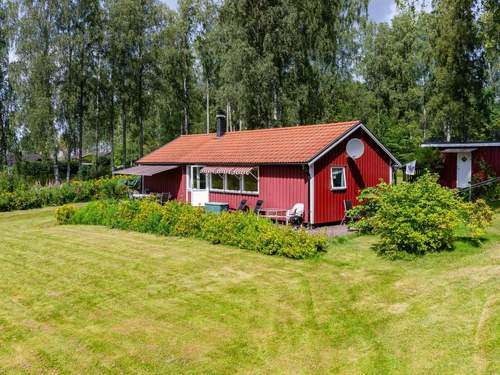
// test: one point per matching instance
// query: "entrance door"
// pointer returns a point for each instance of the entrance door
(199, 187)
(464, 169)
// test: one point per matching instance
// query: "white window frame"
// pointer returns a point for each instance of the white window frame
(258, 184)
(223, 183)
(344, 179)
(192, 179)
(242, 185)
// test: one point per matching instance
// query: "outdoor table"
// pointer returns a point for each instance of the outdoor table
(274, 213)
(140, 195)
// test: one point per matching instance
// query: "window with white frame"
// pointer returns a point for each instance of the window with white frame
(243, 184)
(251, 182)
(217, 182)
(338, 178)
(198, 179)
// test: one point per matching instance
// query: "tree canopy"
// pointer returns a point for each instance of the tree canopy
(121, 77)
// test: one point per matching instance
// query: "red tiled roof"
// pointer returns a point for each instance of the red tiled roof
(290, 145)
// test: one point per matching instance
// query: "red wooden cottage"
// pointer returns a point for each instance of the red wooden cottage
(280, 166)
(464, 163)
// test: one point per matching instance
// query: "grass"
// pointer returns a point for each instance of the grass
(82, 299)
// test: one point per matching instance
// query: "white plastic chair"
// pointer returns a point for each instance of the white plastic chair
(297, 210)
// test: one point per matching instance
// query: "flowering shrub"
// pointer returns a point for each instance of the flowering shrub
(74, 191)
(419, 217)
(243, 230)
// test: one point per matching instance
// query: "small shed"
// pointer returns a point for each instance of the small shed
(467, 162)
(319, 166)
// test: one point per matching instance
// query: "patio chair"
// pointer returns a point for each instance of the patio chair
(242, 207)
(258, 206)
(347, 206)
(295, 216)
(165, 197)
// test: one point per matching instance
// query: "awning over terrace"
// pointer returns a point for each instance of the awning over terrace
(228, 170)
(146, 170)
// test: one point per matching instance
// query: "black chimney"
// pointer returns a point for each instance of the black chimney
(220, 120)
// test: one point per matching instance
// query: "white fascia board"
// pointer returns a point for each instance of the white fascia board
(448, 145)
(347, 134)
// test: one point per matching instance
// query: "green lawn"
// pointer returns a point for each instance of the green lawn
(77, 299)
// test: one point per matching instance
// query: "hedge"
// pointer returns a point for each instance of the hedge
(55, 195)
(243, 230)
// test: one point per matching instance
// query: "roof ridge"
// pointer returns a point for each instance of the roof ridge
(353, 122)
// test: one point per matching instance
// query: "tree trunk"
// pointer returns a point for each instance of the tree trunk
(97, 135)
(186, 110)
(68, 164)
(140, 113)
(80, 129)
(56, 167)
(112, 129)
(124, 134)
(208, 108)
(3, 140)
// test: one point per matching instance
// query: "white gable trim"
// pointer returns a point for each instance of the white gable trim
(311, 194)
(347, 134)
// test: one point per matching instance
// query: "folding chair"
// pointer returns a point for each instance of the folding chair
(242, 207)
(347, 206)
(258, 206)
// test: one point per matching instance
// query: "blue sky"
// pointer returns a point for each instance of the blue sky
(379, 10)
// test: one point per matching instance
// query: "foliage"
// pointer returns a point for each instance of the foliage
(243, 230)
(369, 200)
(74, 191)
(420, 217)
(65, 213)
(126, 76)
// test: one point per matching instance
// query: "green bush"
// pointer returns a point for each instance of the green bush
(65, 213)
(11, 181)
(71, 192)
(243, 230)
(420, 217)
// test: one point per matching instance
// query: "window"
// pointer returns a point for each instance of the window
(251, 182)
(198, 179)
(338, 178)
(217, 182)
(243, 184)
(233, 182)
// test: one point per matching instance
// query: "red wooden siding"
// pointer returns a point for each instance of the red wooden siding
(279, 187)
(366, 171)
(172, 181)
(490, 155)
(448, 175)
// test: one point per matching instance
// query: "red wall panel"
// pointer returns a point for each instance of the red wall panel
(172, 181)
(490, 155)
(448, 175)
(279, 187)
(366, 171)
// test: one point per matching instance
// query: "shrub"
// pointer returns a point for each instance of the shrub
(420, 217)
(243, 230)
(65, 213)
(75, 191)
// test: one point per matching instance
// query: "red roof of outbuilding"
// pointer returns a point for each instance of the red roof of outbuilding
(289, 145)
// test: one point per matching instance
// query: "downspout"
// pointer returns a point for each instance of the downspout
(309, 170)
